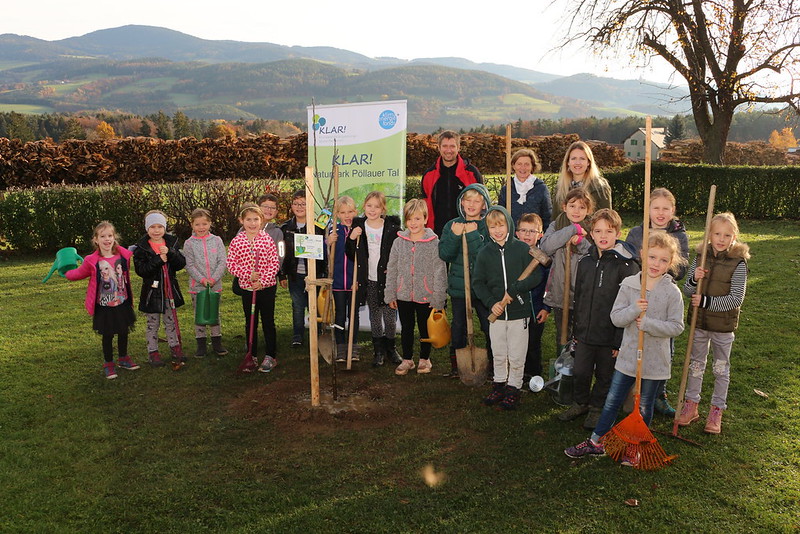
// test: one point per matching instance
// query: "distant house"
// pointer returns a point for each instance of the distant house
(634, 144)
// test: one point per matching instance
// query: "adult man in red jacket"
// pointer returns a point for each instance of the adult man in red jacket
(444, 180)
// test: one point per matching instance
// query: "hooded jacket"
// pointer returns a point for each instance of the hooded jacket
(662, 321)
(497, 270)
(553, 243)
(150, 267)
(676, 229)
(205, 258)
(88, 269)
(414, 272)
(466, 174)
(596, 288)
(537, 200)
(450, 244)
(391, 226)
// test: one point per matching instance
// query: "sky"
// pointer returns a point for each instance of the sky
(518, 33)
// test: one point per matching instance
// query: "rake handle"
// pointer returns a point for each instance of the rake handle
(693, 323)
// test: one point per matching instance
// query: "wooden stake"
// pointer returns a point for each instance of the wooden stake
(508, 168)
(311, 274)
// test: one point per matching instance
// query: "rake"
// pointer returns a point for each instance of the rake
(631, 436)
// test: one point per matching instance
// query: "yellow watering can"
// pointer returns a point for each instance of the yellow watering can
(438, 329)
(325, 312)
(66, 259)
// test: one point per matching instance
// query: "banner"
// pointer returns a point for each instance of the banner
(368, 142)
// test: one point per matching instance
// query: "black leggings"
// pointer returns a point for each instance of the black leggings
(108, 347)
(407, 310)
(265, 308)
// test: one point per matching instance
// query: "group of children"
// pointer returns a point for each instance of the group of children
(408, 271)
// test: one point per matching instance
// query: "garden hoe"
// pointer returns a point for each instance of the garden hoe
(177, 363)
(473, 362)
(693, 323)
(249, 363)
(563, 391)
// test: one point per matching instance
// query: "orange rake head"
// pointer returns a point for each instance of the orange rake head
(632, 439)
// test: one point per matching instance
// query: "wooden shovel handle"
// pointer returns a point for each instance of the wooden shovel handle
(467, 286)
(525, 274)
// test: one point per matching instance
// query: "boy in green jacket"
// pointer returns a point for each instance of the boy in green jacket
(497, 270)
(473, 202)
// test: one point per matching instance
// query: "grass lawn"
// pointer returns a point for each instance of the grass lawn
(205, 450)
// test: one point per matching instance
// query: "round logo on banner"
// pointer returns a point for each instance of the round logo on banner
(387, 119)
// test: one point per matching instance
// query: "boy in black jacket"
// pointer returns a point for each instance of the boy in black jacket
(157, 254)
(600, 273)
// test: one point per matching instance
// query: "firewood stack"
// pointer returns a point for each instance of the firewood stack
(145, 159)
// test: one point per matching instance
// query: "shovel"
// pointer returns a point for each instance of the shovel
(473, 362)
(325, 340)
(353, 306)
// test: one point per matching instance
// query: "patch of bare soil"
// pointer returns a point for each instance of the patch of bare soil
(362, 401)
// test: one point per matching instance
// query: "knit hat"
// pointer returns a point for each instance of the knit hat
(155, 218)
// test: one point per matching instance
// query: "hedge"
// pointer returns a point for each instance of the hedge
(49, 218)
(748, 192)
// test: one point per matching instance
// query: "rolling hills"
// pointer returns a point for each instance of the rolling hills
(144, 69)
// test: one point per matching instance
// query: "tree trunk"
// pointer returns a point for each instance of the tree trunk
(715, 137)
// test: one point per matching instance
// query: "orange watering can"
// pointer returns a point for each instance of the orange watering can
(66, 259)
(438, 329)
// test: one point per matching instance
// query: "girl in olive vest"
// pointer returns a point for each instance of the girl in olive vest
(718, 316)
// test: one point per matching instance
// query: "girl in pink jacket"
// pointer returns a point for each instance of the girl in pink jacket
(109, 299)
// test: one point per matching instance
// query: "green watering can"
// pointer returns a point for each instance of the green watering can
(66, 259)
(207, 309)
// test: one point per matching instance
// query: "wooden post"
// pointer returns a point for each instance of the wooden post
(508, 168)
(311, 274)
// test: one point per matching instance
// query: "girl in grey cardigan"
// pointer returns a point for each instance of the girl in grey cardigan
(662, 320)
(205, 262)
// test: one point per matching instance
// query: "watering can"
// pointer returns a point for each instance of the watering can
(66, 259)
(324, 312)
(438, 329)
(207, 309)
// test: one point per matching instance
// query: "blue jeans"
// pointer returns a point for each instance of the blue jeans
(297, 291)
(621, 384)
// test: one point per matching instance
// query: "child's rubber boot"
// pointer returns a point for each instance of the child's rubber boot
(379, 350)
(216, 344)
(391, 350)
(201, 348)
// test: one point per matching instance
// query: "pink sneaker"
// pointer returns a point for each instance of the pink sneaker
(714, 421)
(404, 367)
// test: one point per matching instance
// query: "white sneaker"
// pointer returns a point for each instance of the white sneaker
(424, 366)
(404, 367)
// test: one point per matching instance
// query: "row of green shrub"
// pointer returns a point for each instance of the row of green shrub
(748, 192)
(50, 218)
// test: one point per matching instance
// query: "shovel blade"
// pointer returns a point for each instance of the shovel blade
(325, 347)
(473, 364)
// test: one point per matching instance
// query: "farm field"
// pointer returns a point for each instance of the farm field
(206, 450)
